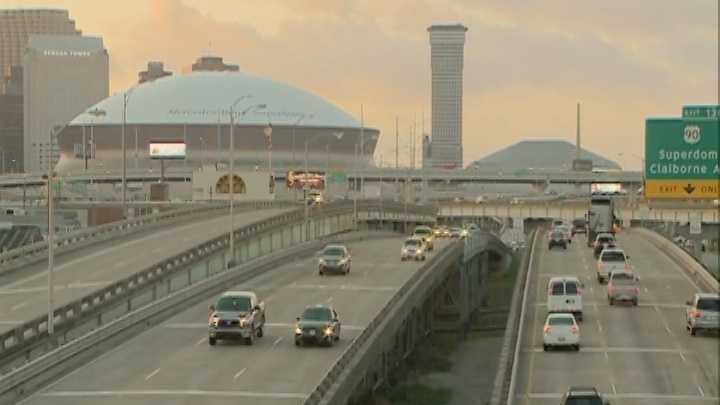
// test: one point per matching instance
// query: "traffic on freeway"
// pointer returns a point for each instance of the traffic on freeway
(632, 330)
(288, 327)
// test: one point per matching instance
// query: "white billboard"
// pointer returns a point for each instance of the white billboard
(167, 150)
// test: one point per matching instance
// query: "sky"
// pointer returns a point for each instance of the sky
(527, 62)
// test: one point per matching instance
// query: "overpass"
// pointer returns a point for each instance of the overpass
(371, 175)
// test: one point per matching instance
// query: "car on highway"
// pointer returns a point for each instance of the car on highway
(579, 226)
(703, 313)
(565, 231)
(334, 258)
(318, 324)
(236, 315)
(623, 286)
(561, 330)
(556, 238)
(583, 396)
(611, 259)
(564, 295)
(426, 233)
(413, 249)
(557, 222)
(603, 241)
(455, 233)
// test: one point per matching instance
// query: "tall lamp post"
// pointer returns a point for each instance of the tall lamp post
(95, 113)
(126, 97)
(51, 231)
(231, 176)
(268, 134)
(338, 135)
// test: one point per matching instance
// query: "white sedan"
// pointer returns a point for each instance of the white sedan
(561, 329)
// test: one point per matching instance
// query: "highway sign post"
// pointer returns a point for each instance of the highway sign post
(681, 155)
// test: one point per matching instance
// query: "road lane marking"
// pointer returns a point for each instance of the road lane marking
(605, 353)
(668, 330)
(277, 341)
(682, 356)
(656, 396)
(606, 350)
(18, 306)
(239, 373)
(599, 325)
(176, 393)
(330, 299)
(201, 341)
(151, 375)
(351, 287)
(204, 325)
(702, 393)
(614, 390)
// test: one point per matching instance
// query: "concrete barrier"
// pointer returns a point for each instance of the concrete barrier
(695, 270)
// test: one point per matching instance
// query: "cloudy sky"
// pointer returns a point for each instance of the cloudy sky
(527, 62)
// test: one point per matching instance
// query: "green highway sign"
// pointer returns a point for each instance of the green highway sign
(681, 154)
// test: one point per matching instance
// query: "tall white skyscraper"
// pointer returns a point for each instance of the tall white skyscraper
(447, 43)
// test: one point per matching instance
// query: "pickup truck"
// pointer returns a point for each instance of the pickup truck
(236, 315)
(612, 259)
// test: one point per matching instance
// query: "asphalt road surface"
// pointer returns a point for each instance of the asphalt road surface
(635, 355)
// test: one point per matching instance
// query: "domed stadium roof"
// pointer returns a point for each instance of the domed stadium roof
(204, 98)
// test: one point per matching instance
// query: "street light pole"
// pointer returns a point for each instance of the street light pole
(50, 241)
(124, 154)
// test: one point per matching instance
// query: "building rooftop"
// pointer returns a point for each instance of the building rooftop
(196, 98)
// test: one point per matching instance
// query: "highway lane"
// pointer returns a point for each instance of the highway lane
(635, 355)
(173, 363)
(100, 265)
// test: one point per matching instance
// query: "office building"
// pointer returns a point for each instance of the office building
(62, 76)
(17, 24)
(155, 70)
(447, 42)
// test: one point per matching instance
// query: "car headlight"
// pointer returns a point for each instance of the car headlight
(214, 321)
(243, 322)
(298, 331)
(321, 262)
(329, 330)
(419, 251)
(403, 250)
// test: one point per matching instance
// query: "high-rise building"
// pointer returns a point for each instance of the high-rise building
(62, 77)
(447, 42)
(17, 24)
(213, 64)
(155, 70)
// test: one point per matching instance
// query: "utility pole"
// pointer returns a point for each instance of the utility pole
(362, 147)
(397, 153)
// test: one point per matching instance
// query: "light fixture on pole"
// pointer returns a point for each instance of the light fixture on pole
(338, 135)
(95, 113)
(268, 135)
(126, 97)
(231, 175)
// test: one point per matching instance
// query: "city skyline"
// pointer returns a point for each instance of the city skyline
(525, 65)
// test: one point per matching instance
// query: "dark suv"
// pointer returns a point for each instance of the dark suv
(583, 396)
(578, 226)
(556, 238)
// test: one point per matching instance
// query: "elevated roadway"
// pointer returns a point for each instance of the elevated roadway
(24, 296)
(635, 355)
(173, 363)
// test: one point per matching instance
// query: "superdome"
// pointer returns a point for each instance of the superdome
(195, 108)
(196, 98)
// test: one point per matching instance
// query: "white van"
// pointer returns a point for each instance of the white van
(565, 296)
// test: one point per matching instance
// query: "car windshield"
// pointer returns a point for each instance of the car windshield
(237, 304)
(334, 251)
(605, 240)
(560, 320)
(709, 304)
(613, 257)
(412, 242)
(584, 401)
(317, 314)
(422, 231)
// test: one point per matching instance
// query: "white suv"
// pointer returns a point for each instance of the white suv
(426, 233)
(561, 330)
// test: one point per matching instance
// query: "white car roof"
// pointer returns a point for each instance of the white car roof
(708, 295)
(239, 294)
(614, 249)
(563, 278)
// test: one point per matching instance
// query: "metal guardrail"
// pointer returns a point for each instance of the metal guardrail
(687, 262)
(33, 375)
(320, 394)
(32, 334)
(505, 377)
(23, 256)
